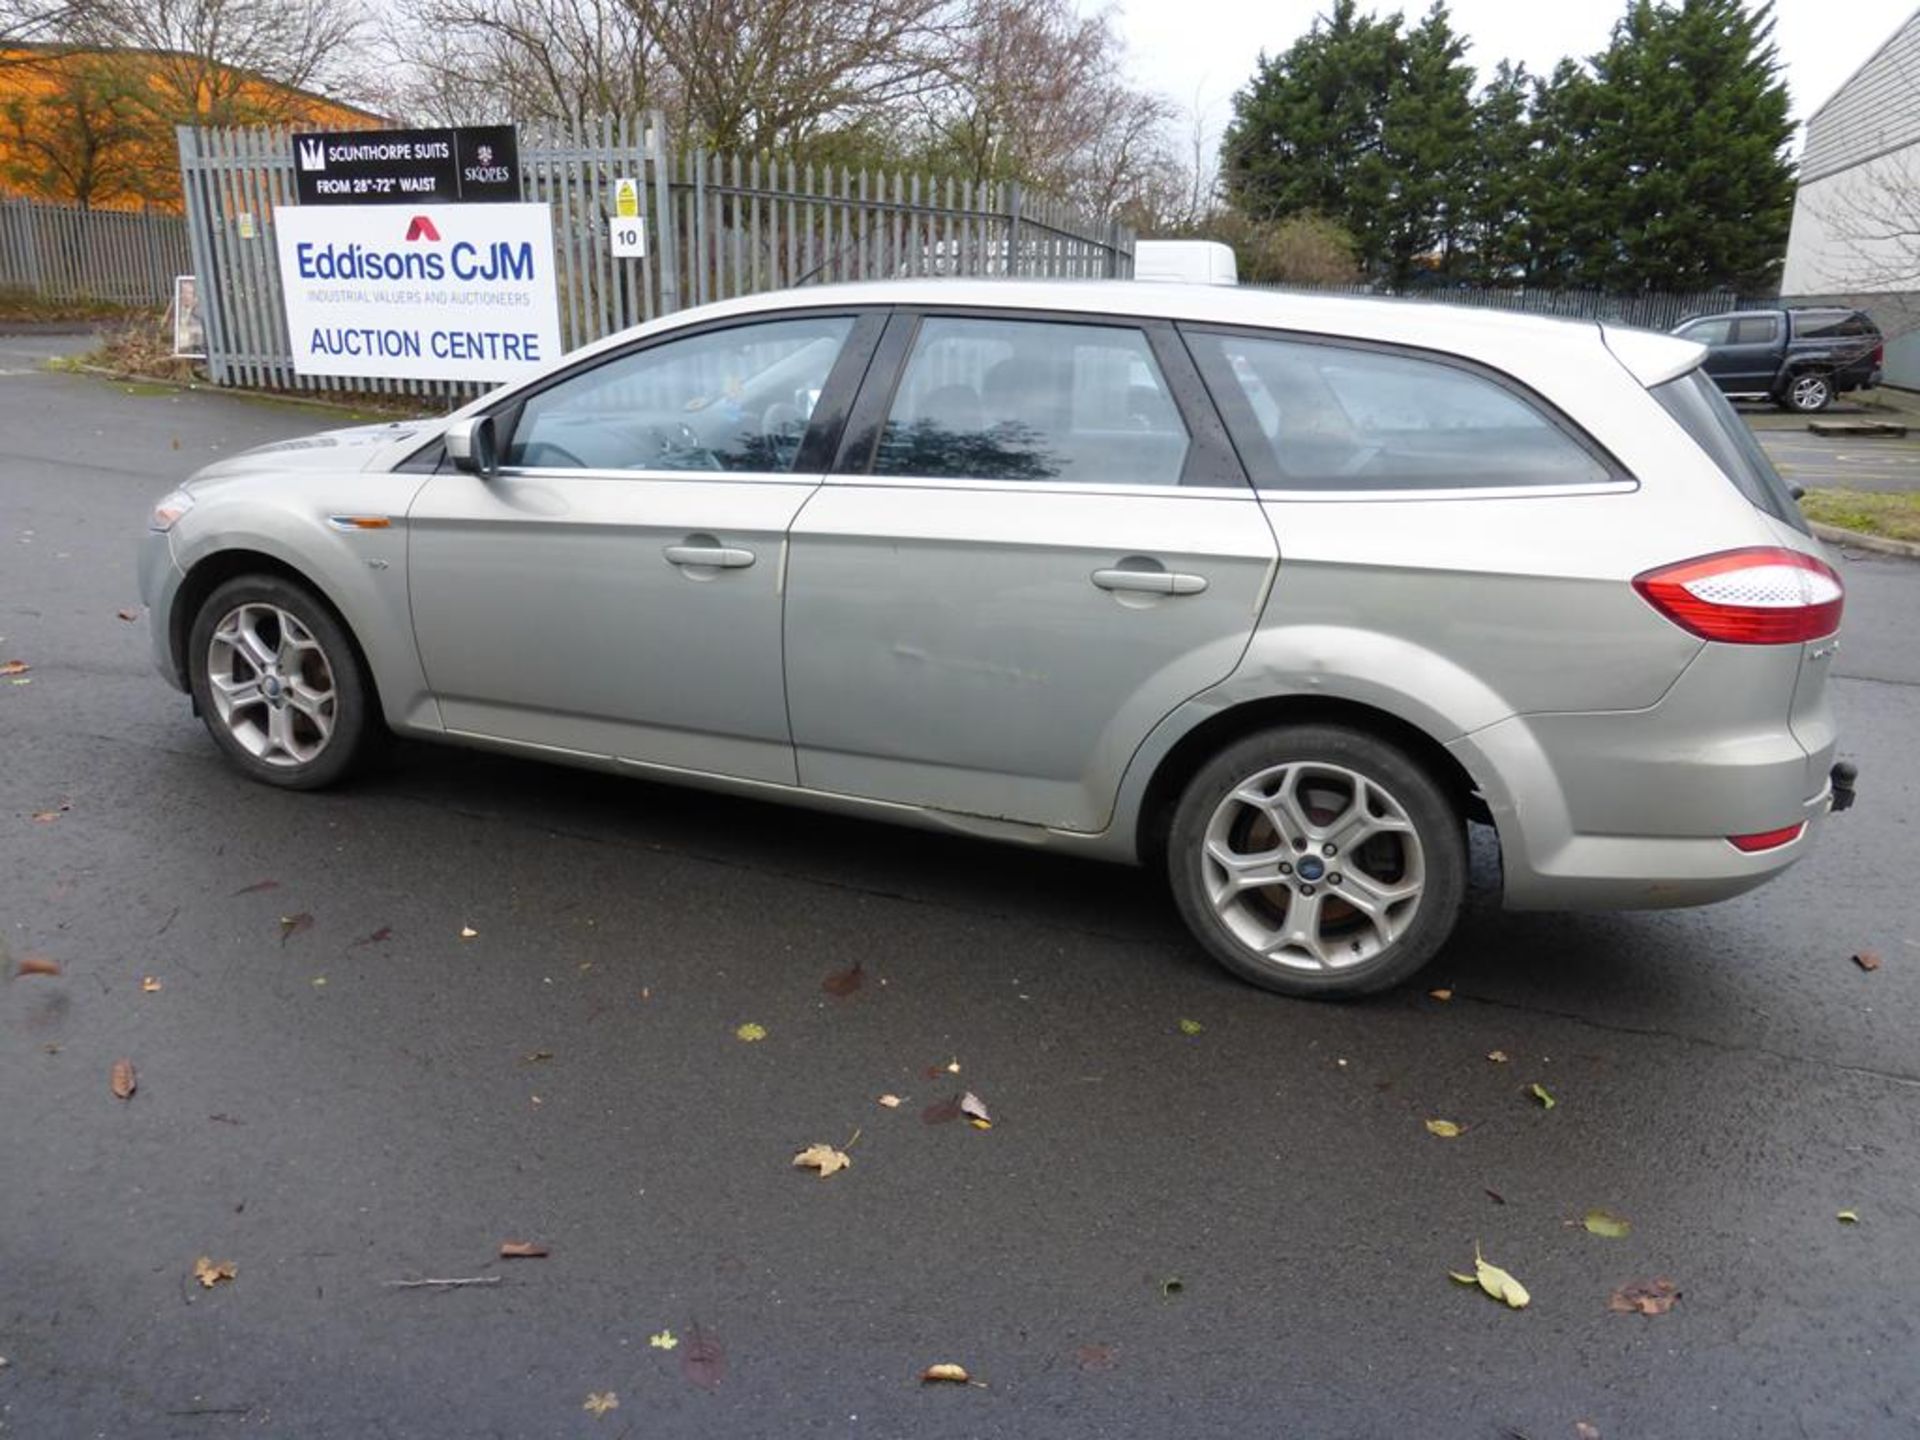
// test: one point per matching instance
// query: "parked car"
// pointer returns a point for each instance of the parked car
(1276, 593)
(1799, 359)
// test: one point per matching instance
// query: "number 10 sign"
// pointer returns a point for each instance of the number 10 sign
(629, 236)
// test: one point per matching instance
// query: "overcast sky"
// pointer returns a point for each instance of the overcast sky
(1208, 48)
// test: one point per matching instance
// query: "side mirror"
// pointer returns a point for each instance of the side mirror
(472, 446)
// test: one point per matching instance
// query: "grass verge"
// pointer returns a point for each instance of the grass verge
(1894, 515)
(25, 307)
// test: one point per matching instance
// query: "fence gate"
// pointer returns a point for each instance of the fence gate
(717, 226)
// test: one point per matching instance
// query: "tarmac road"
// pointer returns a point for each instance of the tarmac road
(1726, 1079)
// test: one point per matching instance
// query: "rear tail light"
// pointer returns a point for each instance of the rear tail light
(1764, 595)
(1879, 356)
(1767, 839)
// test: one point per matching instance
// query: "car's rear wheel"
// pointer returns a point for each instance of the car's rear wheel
(279, 684)
(1809, 392)
(1318, 860)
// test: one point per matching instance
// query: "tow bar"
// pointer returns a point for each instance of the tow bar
(1843, 777)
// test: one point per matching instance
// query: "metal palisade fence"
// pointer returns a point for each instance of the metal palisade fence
(67, 252)
(717, 226)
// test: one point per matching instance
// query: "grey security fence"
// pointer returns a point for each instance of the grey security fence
(67, 252)
(717, 226)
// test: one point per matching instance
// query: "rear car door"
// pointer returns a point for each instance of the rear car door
(615, 590)
(1036, 544)
(1749, 362)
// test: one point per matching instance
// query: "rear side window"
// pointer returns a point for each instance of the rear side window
(984, 399)
(1754, 330)
(1707, 415)
(1311, 415)
(1830, 324)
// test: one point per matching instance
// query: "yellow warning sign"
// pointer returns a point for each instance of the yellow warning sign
(626, 198)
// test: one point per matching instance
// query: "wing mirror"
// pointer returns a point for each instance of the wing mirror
(473, 447)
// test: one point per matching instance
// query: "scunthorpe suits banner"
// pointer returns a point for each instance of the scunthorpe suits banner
(437, 292)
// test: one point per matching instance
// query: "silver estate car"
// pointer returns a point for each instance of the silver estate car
(1276, 592)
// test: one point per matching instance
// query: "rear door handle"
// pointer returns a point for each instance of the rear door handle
(719, 557)
(1153, 582)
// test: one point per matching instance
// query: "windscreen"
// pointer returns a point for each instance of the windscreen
(1709, 417)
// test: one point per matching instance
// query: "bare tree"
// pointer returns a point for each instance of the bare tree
(764, 74)
(207, 59)
(1035, 91)
(1867, 238)
(523, 59)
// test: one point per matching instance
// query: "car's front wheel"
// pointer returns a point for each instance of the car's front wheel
(279, 684)
(1318, 860)
(1809, 392)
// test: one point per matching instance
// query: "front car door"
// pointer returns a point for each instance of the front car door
(615, 591)
(1036, 544)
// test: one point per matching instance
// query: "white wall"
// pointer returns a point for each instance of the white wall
(1857, 231)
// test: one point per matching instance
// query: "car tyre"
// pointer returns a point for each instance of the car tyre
(1318, 861)
(1809, 392)
(280, 684)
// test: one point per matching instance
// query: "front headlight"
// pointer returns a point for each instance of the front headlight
(168, 512)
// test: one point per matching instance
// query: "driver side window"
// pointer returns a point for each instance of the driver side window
(731, 400)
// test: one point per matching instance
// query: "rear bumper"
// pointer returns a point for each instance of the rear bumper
(1631, 809)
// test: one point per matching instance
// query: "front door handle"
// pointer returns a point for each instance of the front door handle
(719, 557)
(1152, 582)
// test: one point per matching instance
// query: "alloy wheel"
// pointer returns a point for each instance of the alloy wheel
(271, 684)
(1313, 866)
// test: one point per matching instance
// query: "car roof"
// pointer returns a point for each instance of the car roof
(1502, 339)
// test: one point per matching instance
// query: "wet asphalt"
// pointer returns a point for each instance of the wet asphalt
(1244, 1231)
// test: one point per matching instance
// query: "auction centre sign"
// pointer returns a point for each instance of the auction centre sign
(435, 292)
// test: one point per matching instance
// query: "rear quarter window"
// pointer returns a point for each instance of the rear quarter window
(1315, 415)
(1709, 417)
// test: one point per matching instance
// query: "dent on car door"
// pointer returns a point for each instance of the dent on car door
(1005, 584)
(615, 590)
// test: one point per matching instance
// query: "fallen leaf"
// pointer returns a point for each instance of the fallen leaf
(665, 1340)
(1583, 1431)
(1441, 994)
(319, 982)
(1644, 1297)
(601, 1402)
(844, 982)
(1495, 1281)
(15, 667)
(1867, 960)
(953, 1374)
(534, 1057)
(972, 1105)
(823, 1158)
(1191, 1027)
(1498, 1057)
(703, 1361)
(892, 1102)
(150, 984)
(953, 1067)
(257, 887)
(1094, 1357)
(467, 932)
(1848, 1217)
(1539, 1092)
(522, 1250)
(1445, 1129)
(751, 1032)
(1496, 1197)
(378, 937)
(291, 925)
(131, 614)
(1609, 1226)
(36, 965)
(210, 1274)
(124, 1080)
(47, 817)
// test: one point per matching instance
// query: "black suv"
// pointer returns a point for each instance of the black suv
(1799, 359)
